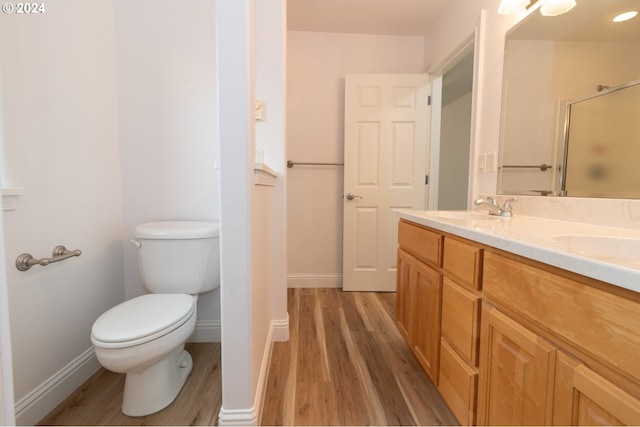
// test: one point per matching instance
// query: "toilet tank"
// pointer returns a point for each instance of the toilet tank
(179, 256)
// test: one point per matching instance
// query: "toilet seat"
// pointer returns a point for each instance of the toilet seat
(142, 319)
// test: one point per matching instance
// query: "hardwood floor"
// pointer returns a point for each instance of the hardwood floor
(346, 364)
(98, 400)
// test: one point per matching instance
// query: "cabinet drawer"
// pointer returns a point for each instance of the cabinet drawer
(421, 243)
(458, 385)
(587, 313)
(463, 261)
(460, 320)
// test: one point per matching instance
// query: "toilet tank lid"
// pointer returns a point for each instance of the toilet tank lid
(177, 230)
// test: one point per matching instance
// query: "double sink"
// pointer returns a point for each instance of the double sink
(605, 253)
(601, 246)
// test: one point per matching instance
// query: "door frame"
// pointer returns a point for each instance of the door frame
(7, 402)
(475, 41)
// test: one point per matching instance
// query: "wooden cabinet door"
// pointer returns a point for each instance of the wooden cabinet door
(458, 384)
(426, 335)
(516, 373)
(583, 397)
(404, 297)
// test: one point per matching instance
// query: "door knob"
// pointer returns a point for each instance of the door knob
(351, 196)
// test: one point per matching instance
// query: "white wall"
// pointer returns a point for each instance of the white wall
(271, 140)
(457, 24)
(271, 321)
(317, 64)
(455, 128)
(251, 48)
(60, 143)
(235, 74)
(166, 75)
(108, 120)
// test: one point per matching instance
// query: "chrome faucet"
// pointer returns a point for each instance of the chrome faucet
(494, 207)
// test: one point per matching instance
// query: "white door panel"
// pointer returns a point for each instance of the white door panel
(386, 139)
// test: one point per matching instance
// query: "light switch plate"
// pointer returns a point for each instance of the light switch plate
(481, 163)
(258, 106)
(490, 165)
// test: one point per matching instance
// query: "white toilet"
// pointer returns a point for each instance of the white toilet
(144, 337)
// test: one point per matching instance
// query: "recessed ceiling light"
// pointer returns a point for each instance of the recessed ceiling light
(625, 16)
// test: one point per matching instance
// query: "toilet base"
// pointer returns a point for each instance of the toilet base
(155, 387)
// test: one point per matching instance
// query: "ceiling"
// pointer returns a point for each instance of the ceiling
(588, 21)
(390, 17)
(414, 17)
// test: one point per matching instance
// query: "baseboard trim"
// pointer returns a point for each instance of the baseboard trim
(40, 401)
(207, 331)
(251, 416)
(238, 417)
(314, 281)
(281, 329)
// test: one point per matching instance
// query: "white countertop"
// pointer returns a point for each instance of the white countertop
(605, 253)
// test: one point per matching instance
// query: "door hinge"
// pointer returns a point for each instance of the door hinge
(429, 100)
(426, 180)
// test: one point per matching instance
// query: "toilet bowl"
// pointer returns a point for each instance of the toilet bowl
(144, 337)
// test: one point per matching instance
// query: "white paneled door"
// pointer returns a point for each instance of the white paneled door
(385, 163)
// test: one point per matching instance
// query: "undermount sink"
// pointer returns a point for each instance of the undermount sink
(602, 247)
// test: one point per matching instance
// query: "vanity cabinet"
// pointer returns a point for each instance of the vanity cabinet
(460, 330)
(518, 342)
(582, 397)
(516, 373)
(419, 293)
(578, 346)
(438, 311)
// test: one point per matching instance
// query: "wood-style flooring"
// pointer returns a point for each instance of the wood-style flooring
(346, 364)
(98, 400)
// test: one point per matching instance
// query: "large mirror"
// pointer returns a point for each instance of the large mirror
(571, 104)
